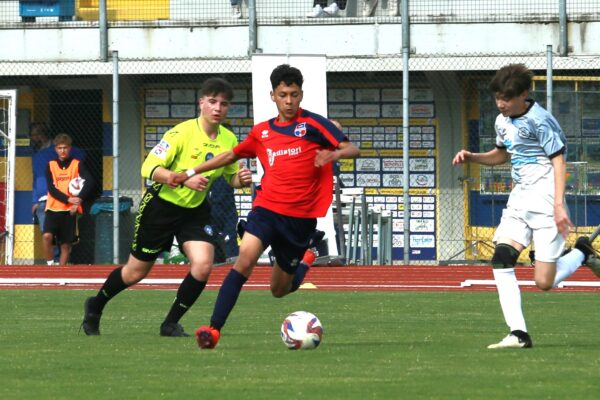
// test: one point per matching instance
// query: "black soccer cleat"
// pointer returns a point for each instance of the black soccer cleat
(172, 329)
(592, 258)
(91, 320)
(585, 246)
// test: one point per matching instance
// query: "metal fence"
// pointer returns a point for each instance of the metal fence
(72, 13)
(453, 210)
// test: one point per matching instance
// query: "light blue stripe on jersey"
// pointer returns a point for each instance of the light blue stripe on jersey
(537, 137)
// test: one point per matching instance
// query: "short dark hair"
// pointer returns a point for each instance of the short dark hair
(215, 86)
(512, 80)
(38, 127)
(286, 74)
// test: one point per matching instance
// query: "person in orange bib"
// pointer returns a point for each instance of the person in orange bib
(69, 185)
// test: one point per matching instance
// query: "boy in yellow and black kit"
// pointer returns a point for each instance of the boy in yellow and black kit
(182, 212)
(62, 204)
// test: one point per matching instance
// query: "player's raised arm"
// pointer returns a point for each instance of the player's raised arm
(496, 156)
(345, 150)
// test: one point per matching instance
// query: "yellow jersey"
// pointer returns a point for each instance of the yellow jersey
(182, 147)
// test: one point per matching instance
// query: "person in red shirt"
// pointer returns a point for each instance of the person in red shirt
(296, 150)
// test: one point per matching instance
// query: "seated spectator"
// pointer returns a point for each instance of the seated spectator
(321, 10)
(392, 7)
(369, 7)
(236, 9)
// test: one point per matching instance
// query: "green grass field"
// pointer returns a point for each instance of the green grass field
(376, 345)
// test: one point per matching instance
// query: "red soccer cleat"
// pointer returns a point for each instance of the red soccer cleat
(207, 337)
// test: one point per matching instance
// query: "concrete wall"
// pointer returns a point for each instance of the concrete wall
(339, 40)
(29, 56)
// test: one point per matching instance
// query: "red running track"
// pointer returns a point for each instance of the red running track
(354, 278)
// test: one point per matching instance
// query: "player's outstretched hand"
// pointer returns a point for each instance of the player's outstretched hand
(461, 157)
(176, 178)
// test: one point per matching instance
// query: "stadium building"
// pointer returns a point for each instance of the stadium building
(128, 73)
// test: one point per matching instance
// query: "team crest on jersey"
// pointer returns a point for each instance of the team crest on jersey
(208, 156)
(208, 230)
(525, 133)
(300, 129)
(160, 150)
(264, 134)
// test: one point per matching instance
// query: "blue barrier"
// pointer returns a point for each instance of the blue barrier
(30, 9)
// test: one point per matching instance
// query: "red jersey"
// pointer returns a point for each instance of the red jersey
(291, 184)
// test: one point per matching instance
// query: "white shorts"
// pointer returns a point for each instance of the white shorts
(529, 215)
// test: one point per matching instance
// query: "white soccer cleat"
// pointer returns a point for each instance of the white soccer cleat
(317, 12)
(512, 341)
(332, 10)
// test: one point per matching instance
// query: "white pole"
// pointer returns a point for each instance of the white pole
(115, 172)
(549, 88)
(10, 178)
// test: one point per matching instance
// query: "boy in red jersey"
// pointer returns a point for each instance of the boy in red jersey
(296, 149)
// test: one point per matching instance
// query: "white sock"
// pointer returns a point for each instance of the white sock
(510, 298)
(567, 265)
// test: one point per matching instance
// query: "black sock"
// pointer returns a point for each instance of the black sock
(112, 286)
(228, 295)
(582, 245)
(521, 335)
(188, 292)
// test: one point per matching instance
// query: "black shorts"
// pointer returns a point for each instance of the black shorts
(62, 225)
(287, 236)
(158, 221)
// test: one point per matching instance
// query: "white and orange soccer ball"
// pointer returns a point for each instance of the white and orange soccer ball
(301, 330)
(76, 185)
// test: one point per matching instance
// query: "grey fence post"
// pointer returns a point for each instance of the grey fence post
(115, 139)
(103, 27)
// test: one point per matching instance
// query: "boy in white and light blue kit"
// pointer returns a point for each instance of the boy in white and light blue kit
(531, 138)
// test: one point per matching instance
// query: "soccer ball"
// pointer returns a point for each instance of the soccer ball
(301, 330)
(76, 185)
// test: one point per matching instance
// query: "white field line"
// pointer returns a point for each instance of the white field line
(158, 282)
(491, 282)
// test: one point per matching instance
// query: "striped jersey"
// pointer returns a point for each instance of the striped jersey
(291, 184)
(532, 139)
